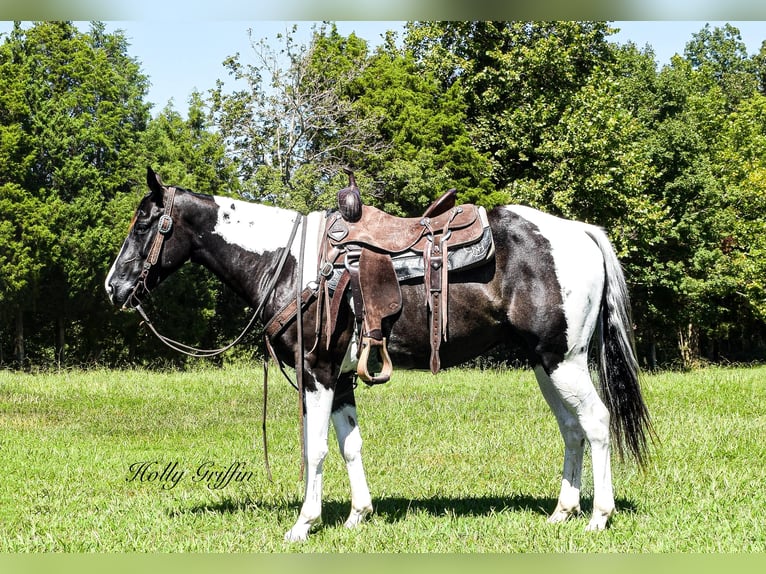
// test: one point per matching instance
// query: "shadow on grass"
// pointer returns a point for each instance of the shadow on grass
(396, 509)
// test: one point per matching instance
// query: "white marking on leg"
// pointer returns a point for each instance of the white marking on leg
(574, 386)
(350, 442)
(571, 479)
(579, 266)
(316, 425)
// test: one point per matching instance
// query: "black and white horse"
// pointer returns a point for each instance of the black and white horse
(552, 285)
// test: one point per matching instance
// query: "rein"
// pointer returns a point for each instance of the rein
(165, 225)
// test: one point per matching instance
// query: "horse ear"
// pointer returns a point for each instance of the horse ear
(155, 184)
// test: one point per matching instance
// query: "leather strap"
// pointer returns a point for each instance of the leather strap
(435, 290)
(163, 228)
(287, 314)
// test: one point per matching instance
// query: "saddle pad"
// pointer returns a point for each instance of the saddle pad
(410, 265)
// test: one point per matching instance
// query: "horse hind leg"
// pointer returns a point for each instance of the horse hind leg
(345, 421)
(574, 443)
(577, 404)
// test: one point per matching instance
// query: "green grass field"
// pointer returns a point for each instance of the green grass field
(468, 461)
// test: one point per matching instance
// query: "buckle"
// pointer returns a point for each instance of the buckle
(166, 222)
(326, 269)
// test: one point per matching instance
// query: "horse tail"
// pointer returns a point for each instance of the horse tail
(618, 372)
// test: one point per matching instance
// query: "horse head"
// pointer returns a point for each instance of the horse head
(152, 250)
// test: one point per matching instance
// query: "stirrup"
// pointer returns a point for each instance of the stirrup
(364, 357)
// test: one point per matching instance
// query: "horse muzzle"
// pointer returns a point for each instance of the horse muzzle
(123, 296)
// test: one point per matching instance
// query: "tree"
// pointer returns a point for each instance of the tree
(71, 111)
(740, 163)
(290, 128)
(721, 53)
(518, 79)
(691, 288)
(24, 241)
(188, 152)
(581, 128)
(429, 149)
(333, 104)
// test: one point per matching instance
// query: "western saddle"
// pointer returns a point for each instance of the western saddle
(372, 252)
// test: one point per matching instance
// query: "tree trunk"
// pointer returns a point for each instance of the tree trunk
(688, 345)
(18, 342)
(653, 354)
(60, 339)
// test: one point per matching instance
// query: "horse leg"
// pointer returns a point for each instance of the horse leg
(574, 446)
(318, 404)
(574, 388)
(345, 421)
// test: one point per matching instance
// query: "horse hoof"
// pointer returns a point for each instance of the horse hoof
(297, 534)
(595, 526)
(357, 517)
(598, 522)
(562, 514)
(559, 517)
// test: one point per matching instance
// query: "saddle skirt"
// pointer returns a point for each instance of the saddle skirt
(374, 254)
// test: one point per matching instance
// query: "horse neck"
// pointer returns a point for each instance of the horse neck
(242, 243)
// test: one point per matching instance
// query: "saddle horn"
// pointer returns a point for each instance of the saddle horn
(349, 199)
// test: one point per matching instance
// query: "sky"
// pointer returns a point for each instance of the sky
(187, 54)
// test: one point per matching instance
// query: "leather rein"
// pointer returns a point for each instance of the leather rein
(163, 228)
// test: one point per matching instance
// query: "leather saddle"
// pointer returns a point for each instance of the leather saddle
(372, 252)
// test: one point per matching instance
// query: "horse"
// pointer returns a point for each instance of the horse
(554, 289)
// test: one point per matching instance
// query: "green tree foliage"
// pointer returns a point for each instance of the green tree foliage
(739, 222)
(671, 161)
(429, 149)
(71, 113)
(579, 127)
(518, 79)
(334, 104)
(291, 129)
(693, 290)
(188, 152)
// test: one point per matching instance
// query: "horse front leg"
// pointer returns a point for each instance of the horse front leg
(346, 423)
(317, 404)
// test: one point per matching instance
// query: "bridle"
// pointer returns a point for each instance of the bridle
(163, 228)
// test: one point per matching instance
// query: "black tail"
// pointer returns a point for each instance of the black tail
(618, 368)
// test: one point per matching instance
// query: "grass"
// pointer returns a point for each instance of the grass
(468, 461)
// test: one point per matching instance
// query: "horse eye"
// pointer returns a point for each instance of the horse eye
(141, 227)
